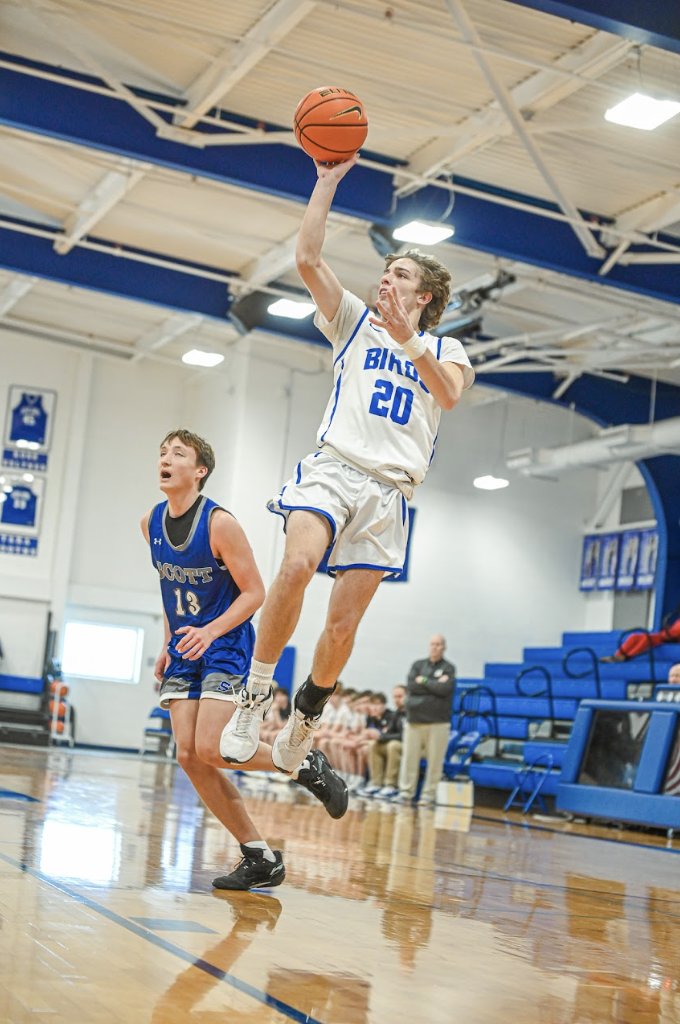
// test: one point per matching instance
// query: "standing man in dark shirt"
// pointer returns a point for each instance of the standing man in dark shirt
(430, 687)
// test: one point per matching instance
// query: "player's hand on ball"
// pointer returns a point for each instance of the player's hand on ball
(335, 172)
(162, 662)
(394, 317)
(195, 642)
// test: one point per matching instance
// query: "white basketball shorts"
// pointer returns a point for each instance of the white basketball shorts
(368, 519)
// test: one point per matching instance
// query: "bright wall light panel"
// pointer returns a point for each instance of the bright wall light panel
(490, 483)
(293, 310)
(640, 111)
(197, 358)
(422, 233)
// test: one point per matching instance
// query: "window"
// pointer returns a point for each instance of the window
(96, 651)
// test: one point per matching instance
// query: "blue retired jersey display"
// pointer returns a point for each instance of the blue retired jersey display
(195, 587)
(29, 420)
(19, 507)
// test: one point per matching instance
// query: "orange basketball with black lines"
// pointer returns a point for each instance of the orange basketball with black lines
(330, 124)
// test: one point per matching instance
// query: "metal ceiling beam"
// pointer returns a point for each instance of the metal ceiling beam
(655, 214)
(482, 220)
(281, 258)
(113, 270)
(514, 116)
(534, 95)
(231, 66)
(157, 337)
(13, 291)
(99, 201)
(654, 22)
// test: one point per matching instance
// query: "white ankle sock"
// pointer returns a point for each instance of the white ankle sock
(259, 844)
(261, 676)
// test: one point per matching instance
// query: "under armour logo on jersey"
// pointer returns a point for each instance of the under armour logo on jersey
(157, 540)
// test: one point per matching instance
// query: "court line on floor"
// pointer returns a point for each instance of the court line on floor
(169, 947)
(575, 835)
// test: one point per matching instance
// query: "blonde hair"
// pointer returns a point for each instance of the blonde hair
(205, 456)
(434, 277)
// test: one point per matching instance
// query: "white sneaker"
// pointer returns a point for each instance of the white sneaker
(294, 742)
(241, 735)
(386, 793)
(370, 790)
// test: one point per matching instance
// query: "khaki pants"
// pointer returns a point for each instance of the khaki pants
(383, 762)
(429, 741)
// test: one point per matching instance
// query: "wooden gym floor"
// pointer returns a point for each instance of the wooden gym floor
(390, 915)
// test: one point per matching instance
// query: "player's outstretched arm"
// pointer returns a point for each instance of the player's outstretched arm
(229, 543)
(318, 277)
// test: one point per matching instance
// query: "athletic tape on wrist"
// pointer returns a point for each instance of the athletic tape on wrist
(415, 347)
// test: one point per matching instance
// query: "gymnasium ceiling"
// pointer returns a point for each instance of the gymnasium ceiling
(150, 184)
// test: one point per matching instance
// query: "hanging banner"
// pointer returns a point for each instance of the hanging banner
(630, 550)
(609, 559)
(590, 562)
(28, 428)
(21, 502)
(646, 567)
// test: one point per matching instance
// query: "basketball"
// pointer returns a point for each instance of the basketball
(330, 124)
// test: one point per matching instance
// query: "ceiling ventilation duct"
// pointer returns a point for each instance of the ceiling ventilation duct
(627, 442)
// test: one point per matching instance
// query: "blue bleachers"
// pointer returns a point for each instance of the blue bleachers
(514, 714)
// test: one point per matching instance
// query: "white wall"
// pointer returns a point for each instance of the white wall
(494, 571)
(29, 587)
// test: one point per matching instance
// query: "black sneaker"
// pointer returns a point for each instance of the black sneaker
(253, 871)
(322, 782)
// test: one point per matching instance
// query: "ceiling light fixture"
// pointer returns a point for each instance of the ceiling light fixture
(197, 358)
(422, 233)
(291, 309)
(640, 111)
(490, 483)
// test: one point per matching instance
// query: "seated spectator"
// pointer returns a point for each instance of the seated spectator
(376, 721)
(345, 746)
(638, 643)
(334, 719)
(384, 755)
(674, 675)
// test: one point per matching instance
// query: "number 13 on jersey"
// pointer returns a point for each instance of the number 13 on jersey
(191, 600)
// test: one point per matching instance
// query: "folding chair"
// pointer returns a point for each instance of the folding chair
(529, 781)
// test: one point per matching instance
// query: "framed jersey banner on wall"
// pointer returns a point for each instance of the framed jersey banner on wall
(646, 567)
(21, 501)
(609, 560)
(628, 559)
(590, 562)
(28, 428)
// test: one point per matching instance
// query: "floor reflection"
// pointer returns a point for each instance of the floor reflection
(392, 913)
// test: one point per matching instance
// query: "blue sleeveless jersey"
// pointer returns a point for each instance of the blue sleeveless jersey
(195, 588)
(29, 420)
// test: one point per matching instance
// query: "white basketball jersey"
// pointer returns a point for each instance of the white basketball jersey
(380, 417)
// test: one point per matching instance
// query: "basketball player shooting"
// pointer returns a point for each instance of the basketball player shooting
(391, 380)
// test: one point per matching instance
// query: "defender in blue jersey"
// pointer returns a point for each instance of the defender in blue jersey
(391, 381)
(211, 587)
